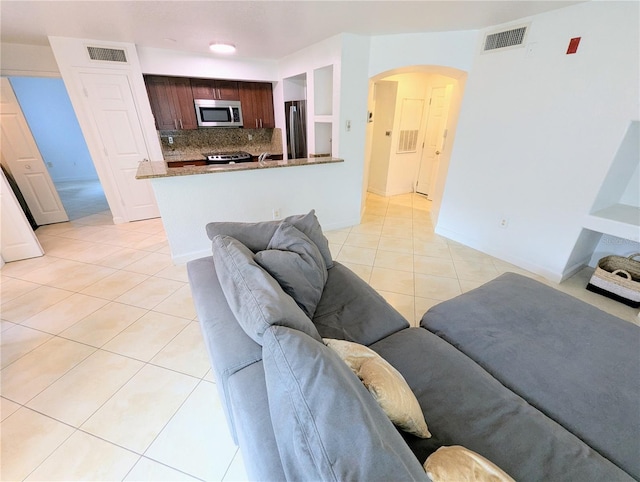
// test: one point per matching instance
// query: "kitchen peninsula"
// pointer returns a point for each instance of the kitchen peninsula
(189, 197)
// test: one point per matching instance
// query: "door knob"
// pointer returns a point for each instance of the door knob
(27, 166)
(437, 153)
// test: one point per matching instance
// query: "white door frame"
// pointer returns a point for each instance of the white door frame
(72, 57)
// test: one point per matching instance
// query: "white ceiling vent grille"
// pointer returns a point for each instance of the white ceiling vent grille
(504, 39)
(107, 55)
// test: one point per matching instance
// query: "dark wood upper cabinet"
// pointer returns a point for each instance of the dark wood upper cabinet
(214, 89)
(172, 98)
(257, 104)
(171, 102)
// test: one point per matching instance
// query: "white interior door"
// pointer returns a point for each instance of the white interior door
(17, 239)
(21, 155)
(434, 137)
(113, 110)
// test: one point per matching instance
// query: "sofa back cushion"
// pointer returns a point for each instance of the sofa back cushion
(351, 310)
(256, 236)
(254, 297)
(297, 265)
(327, 425)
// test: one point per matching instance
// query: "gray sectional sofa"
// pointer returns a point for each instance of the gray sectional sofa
(541, 384)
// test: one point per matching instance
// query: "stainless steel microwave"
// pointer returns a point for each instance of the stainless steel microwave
(218, 113)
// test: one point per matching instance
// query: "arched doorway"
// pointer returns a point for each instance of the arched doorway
(413, 114)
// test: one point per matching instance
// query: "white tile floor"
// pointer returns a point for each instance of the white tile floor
(104, 372)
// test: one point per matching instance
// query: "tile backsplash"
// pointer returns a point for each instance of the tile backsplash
(194, 144)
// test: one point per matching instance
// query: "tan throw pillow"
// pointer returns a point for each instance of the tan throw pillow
(458, 464)
(385, 383)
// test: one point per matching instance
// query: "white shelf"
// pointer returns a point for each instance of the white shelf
(620, 220)
(323, 118)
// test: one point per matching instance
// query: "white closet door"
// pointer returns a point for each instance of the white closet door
(17, 239)
(111, 104)
(20, 153)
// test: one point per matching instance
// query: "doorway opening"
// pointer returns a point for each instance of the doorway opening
(48, 111)
(413, 114)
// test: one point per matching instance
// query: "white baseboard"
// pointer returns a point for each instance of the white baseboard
(540, 270)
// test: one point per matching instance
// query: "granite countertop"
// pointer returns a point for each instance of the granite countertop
(157, 169)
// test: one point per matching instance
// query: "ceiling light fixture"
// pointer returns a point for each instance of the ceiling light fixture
(222, 48)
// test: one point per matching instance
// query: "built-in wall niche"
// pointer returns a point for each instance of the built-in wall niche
(616, 209)
(323, 91)
(295, 88)
(322, 139)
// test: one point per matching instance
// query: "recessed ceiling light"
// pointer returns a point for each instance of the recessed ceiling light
(222, 48)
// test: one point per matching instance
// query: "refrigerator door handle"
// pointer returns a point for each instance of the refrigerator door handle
(292, 129)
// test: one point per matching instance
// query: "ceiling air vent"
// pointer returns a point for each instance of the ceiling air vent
(107, 55)
(506, 38)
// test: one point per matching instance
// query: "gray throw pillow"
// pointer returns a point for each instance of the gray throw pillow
(256, 236)
(296, 263)
(254, 297)
(310, 226)
(327, 425)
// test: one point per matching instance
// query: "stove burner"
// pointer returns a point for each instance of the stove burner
(228, 157)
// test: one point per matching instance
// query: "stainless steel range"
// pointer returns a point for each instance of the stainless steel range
(228, 157)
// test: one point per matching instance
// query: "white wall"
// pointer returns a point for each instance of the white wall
(191, 64)
(27, 60)
(445, 49)
(53, 123)
(537, 135)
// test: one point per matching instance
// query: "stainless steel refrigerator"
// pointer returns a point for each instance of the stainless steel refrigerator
(296, 123)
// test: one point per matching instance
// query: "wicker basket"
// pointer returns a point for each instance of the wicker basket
(618, 278)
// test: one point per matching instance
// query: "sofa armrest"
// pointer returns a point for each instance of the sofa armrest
(230, 348)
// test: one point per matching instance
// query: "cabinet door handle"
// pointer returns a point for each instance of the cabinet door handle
(181, 124)
(175, 123)
(256, 123)
(260, 123)
(219, 95)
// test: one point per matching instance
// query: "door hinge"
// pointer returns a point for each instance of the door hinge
(104, 149)
(430, 99)
(86, 93)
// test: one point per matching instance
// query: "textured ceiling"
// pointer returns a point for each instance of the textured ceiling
(260, 29)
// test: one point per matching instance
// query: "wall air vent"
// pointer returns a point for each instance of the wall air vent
(408, 141)
(506, 38)
(107, 55)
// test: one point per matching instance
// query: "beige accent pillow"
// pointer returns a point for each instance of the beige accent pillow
(385, 383)
(458, 464)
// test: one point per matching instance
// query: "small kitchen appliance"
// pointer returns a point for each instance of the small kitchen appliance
(218, 113)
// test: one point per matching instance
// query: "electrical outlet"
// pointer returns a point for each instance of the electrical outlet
(504, 223)
(276, 213)
(250, 136)
(170, 140)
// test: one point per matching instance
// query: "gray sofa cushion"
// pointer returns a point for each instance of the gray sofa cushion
(256, 236)
(255, 298)
(296, 263)
(351, 310)
(575, 363)
(326, 424)
(466, 406)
